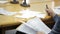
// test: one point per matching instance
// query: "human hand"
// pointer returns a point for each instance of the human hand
(40, 33)
(49, 11)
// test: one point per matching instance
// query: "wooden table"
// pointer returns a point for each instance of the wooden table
(10, 21)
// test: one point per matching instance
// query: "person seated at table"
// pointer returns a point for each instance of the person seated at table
(56, 28)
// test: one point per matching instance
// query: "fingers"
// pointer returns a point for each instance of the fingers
(47, 6)
(47, 10)
(40, 33)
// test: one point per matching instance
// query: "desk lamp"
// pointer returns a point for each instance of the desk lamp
(25, 3)
(14, 2)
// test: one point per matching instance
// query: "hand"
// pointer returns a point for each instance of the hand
(49, 11)
(40, 33)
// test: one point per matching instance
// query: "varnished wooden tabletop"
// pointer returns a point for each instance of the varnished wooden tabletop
(35, 5)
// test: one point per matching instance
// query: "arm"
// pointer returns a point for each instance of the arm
(56, 28)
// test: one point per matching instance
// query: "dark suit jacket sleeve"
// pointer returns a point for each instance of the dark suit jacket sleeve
(56, 28)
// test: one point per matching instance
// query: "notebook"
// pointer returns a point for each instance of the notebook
(34, 25)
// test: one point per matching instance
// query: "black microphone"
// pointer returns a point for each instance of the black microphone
(24, 4)
(14, 2)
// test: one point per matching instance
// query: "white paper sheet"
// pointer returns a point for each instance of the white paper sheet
(5, 12)
(24, 28)
(57, 10)
(3, 1)
(33, 26)
(28, 13)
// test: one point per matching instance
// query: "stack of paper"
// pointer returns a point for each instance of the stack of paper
(32, 26)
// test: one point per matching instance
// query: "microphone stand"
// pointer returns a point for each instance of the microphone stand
(24, 4)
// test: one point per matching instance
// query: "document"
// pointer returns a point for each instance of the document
(5, 12)
(57, 10)
(34, 25)
(3, 1)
